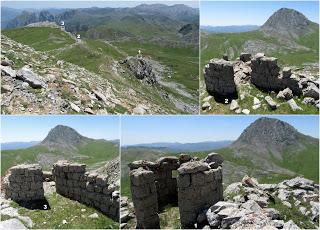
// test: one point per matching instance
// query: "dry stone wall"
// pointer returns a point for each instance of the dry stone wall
(74, 182)
(166, 183)
(24, 183)
(196, 186)
(199, 187)
(145, 199)
(219, 78)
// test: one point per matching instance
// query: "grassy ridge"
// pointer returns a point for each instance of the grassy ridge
(92, 153)
(40, 38)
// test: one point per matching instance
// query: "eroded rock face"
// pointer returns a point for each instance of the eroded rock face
(219, 79)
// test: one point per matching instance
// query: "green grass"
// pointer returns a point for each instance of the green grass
(40, 38)
(305, 162)
(170, 217)
(216, 45)
(292, 213)
(65, 209)
(247, 103)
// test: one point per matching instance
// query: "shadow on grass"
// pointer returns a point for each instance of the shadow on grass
(42, 204)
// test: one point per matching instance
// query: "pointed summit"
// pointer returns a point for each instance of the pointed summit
(288, 22)
(63, 135)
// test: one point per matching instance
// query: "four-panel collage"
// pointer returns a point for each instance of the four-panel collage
(159, 114)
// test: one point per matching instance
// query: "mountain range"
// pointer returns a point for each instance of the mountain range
(183, 147)
(63, 143)
(229, 29)
(140, 22)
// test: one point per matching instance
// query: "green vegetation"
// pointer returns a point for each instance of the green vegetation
(170, 217)
(65, 209)
(216, 45)
(247, 102)
(292, 213)
(40, 38)
(305, 162)
(93, 153)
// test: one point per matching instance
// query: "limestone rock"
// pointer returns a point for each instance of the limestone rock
(285, 94)
(311, 91)
(271, 102)
(290, 225)
(27, 75)
(234, 105)
(193, 167)
(8, 71)
(246, 111)
(245, 57)
(293, 105)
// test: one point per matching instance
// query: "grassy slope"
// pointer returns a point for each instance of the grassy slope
(40, 38)
(218, 45)
(95, 152)
(97, 56)
(65, 209)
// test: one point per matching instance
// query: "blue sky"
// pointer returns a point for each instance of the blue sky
(84, 4)
(223, 13)
(35, 128)
(137, 129)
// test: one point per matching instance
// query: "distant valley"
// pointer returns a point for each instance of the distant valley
(229, 29)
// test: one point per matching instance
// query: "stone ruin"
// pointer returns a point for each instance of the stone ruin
(192, 183)
(74, 182)
(218, 76)
(222, 77)
(25, 183)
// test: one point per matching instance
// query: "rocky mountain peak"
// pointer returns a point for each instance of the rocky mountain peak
(268, 134)
(287, 21)
(63, 135)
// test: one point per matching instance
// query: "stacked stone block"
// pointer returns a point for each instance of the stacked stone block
(145, 199)
(199, 187)
(166, 184)
(74, 182)
(24, 183)
(219, 78)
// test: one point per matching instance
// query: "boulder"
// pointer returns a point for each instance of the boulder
(286, 72)
(6, 88)
(293, 105)
(308, 101)
(142, 69)
(193, 167)
(290, 225)
(300, 182)
(74, 107)
(285, 94)
(271, 102)
(27, 75)
(245, 57)
(214, 157)
(311, 91)
(206, 106)
(234, 105)
(8, 71)
(246, 111)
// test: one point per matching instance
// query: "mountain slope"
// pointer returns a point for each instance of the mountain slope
(62, 143)
(275, 147)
